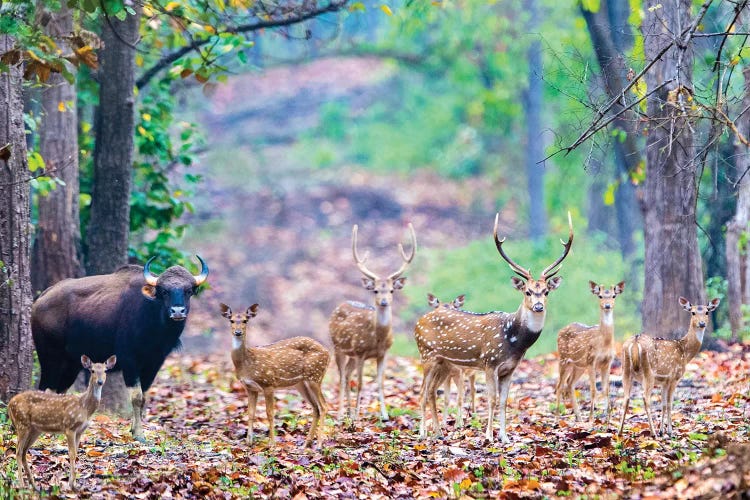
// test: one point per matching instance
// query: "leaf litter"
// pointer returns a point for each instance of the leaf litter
(196, 425)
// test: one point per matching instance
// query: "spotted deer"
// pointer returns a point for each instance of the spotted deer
(591, 349)
(35, 412)
(654, 361)
(298, 362)
(360, 332)
(492, 342)
(457, 374)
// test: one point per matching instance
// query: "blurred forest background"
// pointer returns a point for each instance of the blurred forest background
(263, 131)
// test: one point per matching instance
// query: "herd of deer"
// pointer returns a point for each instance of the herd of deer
(454, 344)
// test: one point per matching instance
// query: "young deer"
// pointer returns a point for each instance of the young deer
(493, 342)
(661, 362)
(35, 412)
(360, 332)
(457, 374)
(299, 362)
(591, 349)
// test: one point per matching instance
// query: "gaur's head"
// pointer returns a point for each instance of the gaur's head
(173, 288)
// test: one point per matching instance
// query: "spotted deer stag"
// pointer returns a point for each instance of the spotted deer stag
(299, 362)
(360, 332)
(654, 361)
(588, 349)
(457, 374)
(35, 412)
(492, 342)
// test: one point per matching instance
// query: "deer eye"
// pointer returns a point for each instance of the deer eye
(692, 312)
(528, 293)
(546, 292)
(391, 291)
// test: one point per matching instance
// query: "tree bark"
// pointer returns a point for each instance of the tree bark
(16, 346)
(56, 250)
(673, 266)
(737, 288)
(109, 227)
(534, 151)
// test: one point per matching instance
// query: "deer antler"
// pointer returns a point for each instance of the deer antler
(407, 259)
(565, 252)
(360, 262)
(524, 273)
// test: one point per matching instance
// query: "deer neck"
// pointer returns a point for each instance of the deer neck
(240, 353)
(691, 343)
(383, 317)
(90, 399)
(523, 329)
(607, 325)
(238, 343)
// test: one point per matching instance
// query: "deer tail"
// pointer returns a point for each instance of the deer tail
(635, 354)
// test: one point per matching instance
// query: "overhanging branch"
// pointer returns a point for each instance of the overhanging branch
(168, 59)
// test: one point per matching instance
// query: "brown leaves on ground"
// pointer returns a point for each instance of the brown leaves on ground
(196, 426)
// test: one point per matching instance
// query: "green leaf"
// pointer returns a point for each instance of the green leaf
(590, 5)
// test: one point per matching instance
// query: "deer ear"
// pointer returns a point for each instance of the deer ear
(553, 283)
(86, 362)
(432, 301)
(459, 301)
(398, 283)
(713, 304)
(252, 311)
(111, 361)
(684, 303)
(368, 283)
(619, 288)
(594, 287)
(226, 311)
(518, 283)
(149, 291)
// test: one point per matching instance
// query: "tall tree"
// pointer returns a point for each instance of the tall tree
(608, 33)
(738, 291)
(56, 250)
(673, 265)
(15, 292)
(109, 226)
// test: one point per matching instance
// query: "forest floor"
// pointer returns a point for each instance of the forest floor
(196, 423)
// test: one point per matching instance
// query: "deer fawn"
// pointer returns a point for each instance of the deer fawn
(584, 348)
(661, 362)
(299, 362)
(35, 412)
(493, 342)
(360, 332)
(457, 373)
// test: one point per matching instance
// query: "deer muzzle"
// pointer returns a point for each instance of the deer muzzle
(538, 307)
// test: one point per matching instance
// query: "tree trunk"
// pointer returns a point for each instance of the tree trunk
(16, 346)
(534, 152)
(608, 46)
(56, 250)
(673, 266)
(109, 227)
(736, 264)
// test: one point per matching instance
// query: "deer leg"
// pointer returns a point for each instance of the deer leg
(473, 391)
(441, 373)
(668, 405)
(446, 399)
(626, 386)
(592, 385)
(138, 401)
(647, 389)
(360, 366)
(252, 403)
(270, 412)
(491, 400)
(504, 387)
(429, 374)
(342, 365)
(309, 395)
(25, 439)
(572, 377)
(320, 400)
(604, 375)
(460, 400)
(72, 452)
(381, 395)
